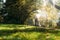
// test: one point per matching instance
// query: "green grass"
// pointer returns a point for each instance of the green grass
(25, 32)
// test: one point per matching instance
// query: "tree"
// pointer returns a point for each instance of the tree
(20, 10)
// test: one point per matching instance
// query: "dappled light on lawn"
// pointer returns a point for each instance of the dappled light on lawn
(19, 33)
(30, 20)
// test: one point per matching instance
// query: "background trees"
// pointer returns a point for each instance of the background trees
(22, 11)
(19, 10)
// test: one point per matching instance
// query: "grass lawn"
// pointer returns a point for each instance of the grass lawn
(26, 32)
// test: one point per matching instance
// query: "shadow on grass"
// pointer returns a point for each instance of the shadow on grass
(8, 32)
(12, 25)
(17, 37)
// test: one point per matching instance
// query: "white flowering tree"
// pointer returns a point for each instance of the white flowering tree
(46, 13)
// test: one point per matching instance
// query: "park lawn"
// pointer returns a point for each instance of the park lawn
(17, 32)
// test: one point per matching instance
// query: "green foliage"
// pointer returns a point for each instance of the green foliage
(20, 9)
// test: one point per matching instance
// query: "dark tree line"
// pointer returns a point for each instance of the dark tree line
(18, 10)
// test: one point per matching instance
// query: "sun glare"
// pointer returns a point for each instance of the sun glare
(4, 1)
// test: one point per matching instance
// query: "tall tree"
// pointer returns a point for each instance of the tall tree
(20, 10)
